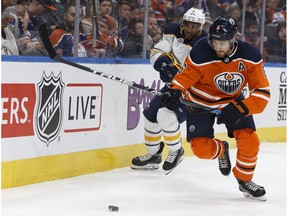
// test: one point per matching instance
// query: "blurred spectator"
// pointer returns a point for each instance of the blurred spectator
(251, 14)
(54, 17)
(174, 15)
(273, 13)
(36, 9)
(22, 14)
(160, 9)
(208, 22)
(252, 34)
(276, 46)
(24, 24)
(107, 41)
(106, 10)
(278, 17)
(152, 24)
(15, 24)
(216, 9)
(225, 4)
(123, 9)
(108, 37)
(271, 7)
(234, 11)
(8, 41)
(19, 25)
(27, 15)
(62, 37)
(135, 14)
(156, 34)
(134, 4)
(284, 12)
(142, 11)
(105, 7)
(87, 20)
(187, 4)
(7, 3)
(133, 48)
(281, 3)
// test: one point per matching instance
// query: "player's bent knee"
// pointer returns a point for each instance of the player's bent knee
(247, 141)
(151, 126)
(167, 119)
(202, 147)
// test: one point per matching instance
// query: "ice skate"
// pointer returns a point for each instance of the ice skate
(251, 190)
(224, 161)
(148, 161)
(173, 159)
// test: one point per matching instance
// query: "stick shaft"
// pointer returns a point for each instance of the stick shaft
(53, 55)
(108, 76)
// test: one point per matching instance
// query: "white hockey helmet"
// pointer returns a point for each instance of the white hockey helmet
(195, 15)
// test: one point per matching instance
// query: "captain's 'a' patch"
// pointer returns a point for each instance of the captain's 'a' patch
(241, 66)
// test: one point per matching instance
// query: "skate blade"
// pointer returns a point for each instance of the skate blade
(249, 196)
(146, 167)
(169, 171)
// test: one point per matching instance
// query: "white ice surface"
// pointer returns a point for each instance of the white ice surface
(194, 188)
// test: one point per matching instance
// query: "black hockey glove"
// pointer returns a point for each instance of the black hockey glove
(232, 113)
(171, 99)
(164, 64)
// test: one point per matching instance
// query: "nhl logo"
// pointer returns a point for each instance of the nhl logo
(49, 107)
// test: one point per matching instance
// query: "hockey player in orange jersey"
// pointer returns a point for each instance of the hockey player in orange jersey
(213, 76)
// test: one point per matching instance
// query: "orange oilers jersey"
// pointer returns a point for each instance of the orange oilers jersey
(207, 80)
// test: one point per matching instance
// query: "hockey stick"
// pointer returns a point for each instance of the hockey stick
(43, 32)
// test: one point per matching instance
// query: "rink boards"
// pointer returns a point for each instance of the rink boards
(59, 122)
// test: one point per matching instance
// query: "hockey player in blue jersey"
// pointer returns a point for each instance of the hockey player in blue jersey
(160, 123)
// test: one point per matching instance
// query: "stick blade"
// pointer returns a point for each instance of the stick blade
(43, 32)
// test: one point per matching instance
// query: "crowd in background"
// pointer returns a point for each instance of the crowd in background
(120, 28)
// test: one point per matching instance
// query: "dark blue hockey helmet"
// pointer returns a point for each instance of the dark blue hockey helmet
(223, 29)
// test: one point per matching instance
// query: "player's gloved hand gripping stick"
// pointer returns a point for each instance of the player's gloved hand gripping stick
(233, 113)
(166, 66)
(43, 32)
